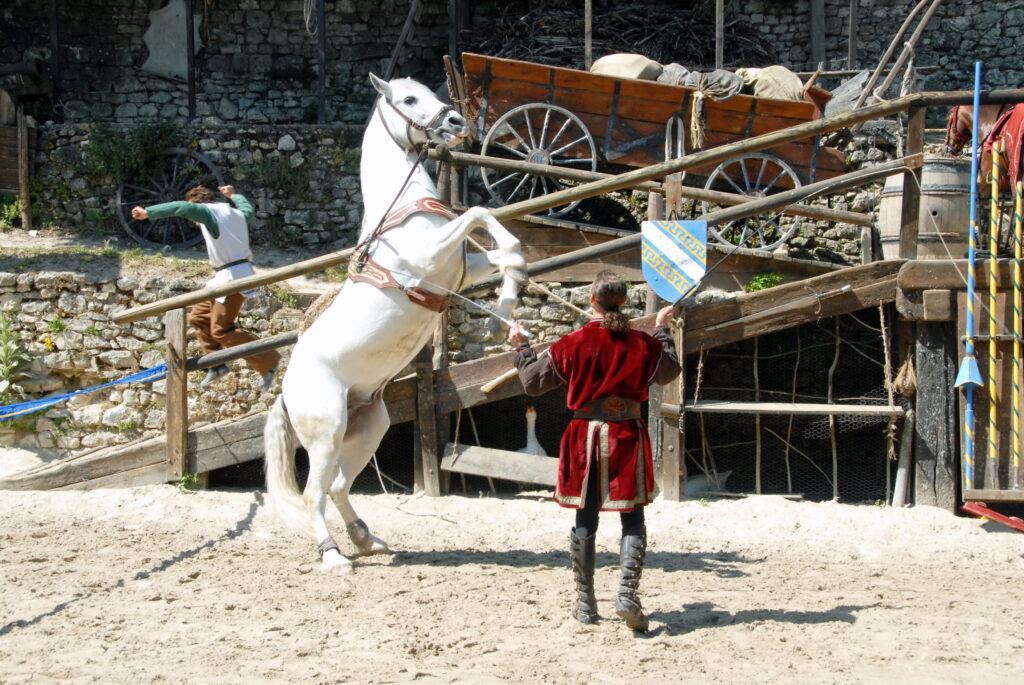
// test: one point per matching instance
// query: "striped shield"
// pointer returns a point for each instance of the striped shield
(674, 255)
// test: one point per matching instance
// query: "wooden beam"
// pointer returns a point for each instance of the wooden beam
(851, 35)
(24, 170)
(494, 463)
(719, 33)
(190, 59)
(177, 392)
(936, 424)
(693, 193)
(948, 274)
(588, 34)
(911, 203)
(817, 31)
(427, 477)
(993, 495)
(321, 61)
(796, 408)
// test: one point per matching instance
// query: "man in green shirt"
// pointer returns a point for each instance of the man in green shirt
(226, 232)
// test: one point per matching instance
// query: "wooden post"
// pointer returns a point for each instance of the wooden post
(588, 34)
(177, 392)
(442, 418)
(321, 61)
(936, 425)
(55, 66)
(190, 60)
(657, 393)
(24, 171)
(817, 31)
(719, 33)
(427, 470)
(851, 36)
(911, 208)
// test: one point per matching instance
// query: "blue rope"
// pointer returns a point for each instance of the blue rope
(9, 411)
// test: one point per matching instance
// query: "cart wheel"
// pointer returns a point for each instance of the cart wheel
(755, 175)
(180, 169)
(540, 134)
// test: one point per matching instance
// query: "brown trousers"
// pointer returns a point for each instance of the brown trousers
(214, 323)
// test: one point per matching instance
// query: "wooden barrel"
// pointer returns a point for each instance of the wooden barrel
(944, 221)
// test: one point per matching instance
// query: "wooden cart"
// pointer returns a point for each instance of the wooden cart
(566, 117)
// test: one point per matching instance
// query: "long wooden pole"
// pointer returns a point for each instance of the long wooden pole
(721, 216)
(627, 180)
(692, 193)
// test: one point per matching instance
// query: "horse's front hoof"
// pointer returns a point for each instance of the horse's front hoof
(375, 546)
(335, 562)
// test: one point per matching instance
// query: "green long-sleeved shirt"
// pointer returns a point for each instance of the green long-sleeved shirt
(194, 211)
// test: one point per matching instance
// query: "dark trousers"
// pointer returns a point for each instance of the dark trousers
(214, 323)
(587, 517)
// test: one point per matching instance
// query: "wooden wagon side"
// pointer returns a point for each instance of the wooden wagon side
(627, 117)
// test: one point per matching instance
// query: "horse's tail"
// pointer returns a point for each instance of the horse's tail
(279, 453)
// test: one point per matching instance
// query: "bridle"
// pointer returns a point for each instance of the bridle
(430, 127)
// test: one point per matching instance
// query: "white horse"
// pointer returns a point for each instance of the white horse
(411, 255)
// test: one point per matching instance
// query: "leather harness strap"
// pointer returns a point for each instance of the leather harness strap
(362, 269)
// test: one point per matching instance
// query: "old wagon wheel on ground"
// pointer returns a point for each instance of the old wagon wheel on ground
(755, 175)
(166, 181)
(540, 134)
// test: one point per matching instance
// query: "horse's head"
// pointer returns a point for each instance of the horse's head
(414, 116)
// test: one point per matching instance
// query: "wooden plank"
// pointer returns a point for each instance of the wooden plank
(948, 274)
(751, 304)
(154, 474)
(89, 466)
(24, 169)
(177, 391)
(936, 424)
(427, 474)
(494, 463)
(795, 408)
(993, 495)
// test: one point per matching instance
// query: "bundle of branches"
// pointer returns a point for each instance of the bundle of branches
(553, 33)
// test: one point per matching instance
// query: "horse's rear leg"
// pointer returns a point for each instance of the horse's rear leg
(323, 464)
(366, 428)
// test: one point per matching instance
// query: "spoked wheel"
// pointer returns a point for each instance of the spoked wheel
(540, 134)
(755, 175)
(178, 170)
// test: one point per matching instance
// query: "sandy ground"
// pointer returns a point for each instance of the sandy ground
(152, 584)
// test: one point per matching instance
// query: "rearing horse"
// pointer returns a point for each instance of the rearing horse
(411, 255)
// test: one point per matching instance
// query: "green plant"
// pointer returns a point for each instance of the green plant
(10, 211)
(189, 481)
(14, 359)
(283, 295)
(56, 324)
(337, 273)
(92, 329)
(277, 174)
(763, 281)
(127, 425)
(121, 154)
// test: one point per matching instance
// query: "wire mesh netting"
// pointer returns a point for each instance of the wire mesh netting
(839, 360)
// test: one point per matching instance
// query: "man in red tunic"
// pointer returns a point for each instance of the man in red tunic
(604, 461)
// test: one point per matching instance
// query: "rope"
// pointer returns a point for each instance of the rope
(9, 411)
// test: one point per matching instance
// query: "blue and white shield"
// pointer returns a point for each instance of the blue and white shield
(674, 255)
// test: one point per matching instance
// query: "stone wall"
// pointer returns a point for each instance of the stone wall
(303, 181)
(63, 320)
(256, 63)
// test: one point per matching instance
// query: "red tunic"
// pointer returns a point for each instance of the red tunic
(595, 365)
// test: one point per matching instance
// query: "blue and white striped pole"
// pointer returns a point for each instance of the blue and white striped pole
(969, 374)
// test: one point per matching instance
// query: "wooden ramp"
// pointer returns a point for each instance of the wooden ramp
(485, 461)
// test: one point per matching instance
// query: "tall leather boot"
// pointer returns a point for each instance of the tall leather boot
(581, 551)
(627, 605)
